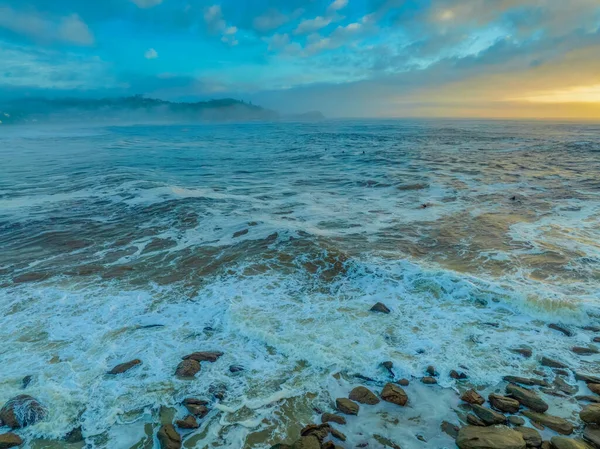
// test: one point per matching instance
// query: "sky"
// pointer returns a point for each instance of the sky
(345, 58)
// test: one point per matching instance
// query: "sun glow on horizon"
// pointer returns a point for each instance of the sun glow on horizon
(579, 94)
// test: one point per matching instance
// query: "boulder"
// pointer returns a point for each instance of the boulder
(489, 416)
(330, 417)
(381, 308)
(527, 398)
(188, 423)
(236, 369)
(187, 369)
(590, 414)
(584, 351)
(516, 421)
(561, 385)
(394, 394)
(555, 423)
(347, 406)
(74, 436)
(587, 378)
(497, 437)
(592, 433)
(8, 440)
(568, 443)
(458, 376)
(586, 398)
(318, 430)
(525, 352)
(364, 396)
(595, 388)
(404, 382)
(431, 371)
(562, 329)
(22, 411)
(337, 434)
(196, 407)
(124, 367)
(472, 397)
(504, 404)
(475, 421)
(205, 356)
(429, 380)
(240, 233)
(551, 363)
(168, 437)
(531, 436)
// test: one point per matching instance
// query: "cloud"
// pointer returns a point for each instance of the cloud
(337, 5)
(67, 29)
(312, 25)
(147, 3)
(270, 20)
(151, 54)
(213, 17)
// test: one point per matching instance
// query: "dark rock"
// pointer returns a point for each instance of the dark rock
(498, 437)
(526, 381)
(330, 445)
(591, 328)
(205, 356)
(539, 372)
(168, 437)
(584, 351)
(187, 369)
(394, 394)
(188, 423)
(587, 378)
(429, 380)
(546, 361)
(74, 436)
(555, 423)
(330, 417)
(337, 434)
(347, 406)
(527, 398)
(318, 430)
(240, 233)
(489, 416)
(595, 388)
(450, 429)
(458, 376)
(196, 407)
(531, 436)
(389, 366)
(219, 391)
(516, 421)
(472, 397)
(8, 440)
(123, 367)
(236, 368)
(525, 352)
(26, 381)
(590, 414)
(431, 371)
(593, 399)
(504, 404)
(475, 421)
(364, 396)
(403, 382)
(22, 411)
(561, 385)
(380, 307)
(592, 433)
(562, 329)
(596, 340)
(561, 372)
(568, 443)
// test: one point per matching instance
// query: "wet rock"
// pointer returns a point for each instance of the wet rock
(472, 397)
(525, 352)
(318, 430)
(561, 372)
(531, 436)
(330, 445)
(22, 411)
(562, 329)
(593, 399)
(8, 440)
(516, 421)
(504, 404)
(240, 233)
(188, 423)
(526, 381)
(205, 356)
(489, 416)
(587, 378)
(187, 369)
(431, 371)
(308, 442)
(458, 376)
(168, 437)
(568, 443)
(429, 380)
(450, 429)
(590, 414)
(592, 433)
(124, 367)
(596, 340)
(364, 396)
(563, 386)
(404, 382)
(591, 328)
(539, 372)
(389, 366)
(236, 369)
(527, 398)
(394, 394)
(555, 423)
(551, 363)
(584, 351)
(26, 381)
(473, 420)
(330, 417)
(74, 436)
(347, 406)
(196, 407)
(498, 437)
(595, 388)
(337, 434)
(219, 391)
(381, 308)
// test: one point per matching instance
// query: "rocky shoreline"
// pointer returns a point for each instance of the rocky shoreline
(516, 415)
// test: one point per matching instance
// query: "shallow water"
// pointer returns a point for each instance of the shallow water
(130, 242)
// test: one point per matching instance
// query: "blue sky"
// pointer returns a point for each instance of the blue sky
(344, 57)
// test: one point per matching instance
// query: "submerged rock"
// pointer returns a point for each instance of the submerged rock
(525, 352)
(531, 436)
(472, 397)
(527, 398)
(394, 394)
(568, 443)
(124, 367)
(330, 417)
(75, 436)
(590, 414)
(551, 363)
(364, 396)
(188, 423)
(168, 437)
(381, 308)
(196, 407)
(205, 356)
(450, 429)
(458, 376)
(504, 404)
(489, 416)
(187, 369)
(497, 437)
(389, 366)
(555, 423)
(22, 411)
(584, 351)
(8, 440)
(26, 381)
(347, 406)
(562, 329)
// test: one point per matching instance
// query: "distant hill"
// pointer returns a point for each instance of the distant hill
(136, 108)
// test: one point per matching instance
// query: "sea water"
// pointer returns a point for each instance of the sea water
(270, 243)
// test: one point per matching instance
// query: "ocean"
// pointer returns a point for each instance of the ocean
(270, 242)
